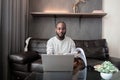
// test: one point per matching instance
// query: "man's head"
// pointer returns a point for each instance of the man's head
(60, 30)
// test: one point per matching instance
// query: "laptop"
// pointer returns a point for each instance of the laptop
(58, 75)
(57, 62)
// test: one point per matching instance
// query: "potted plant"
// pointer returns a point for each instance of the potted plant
(106, 69)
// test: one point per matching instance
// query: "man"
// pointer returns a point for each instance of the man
(62, 44)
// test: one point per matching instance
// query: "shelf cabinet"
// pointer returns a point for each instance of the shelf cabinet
(44, 14)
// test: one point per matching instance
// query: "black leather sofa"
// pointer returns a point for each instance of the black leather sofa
(22, 64)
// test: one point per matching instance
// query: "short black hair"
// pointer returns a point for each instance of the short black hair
(60, 22)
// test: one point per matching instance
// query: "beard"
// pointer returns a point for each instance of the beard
(61, 36)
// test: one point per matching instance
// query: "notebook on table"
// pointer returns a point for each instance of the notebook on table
(57, 62)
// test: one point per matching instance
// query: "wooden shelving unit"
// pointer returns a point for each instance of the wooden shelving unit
(69, 14)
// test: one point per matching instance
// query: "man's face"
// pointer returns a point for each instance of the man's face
(60, 30)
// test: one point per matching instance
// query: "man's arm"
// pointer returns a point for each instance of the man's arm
(49, 47)
(72, 46)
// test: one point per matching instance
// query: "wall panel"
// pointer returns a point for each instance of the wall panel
(77, 27)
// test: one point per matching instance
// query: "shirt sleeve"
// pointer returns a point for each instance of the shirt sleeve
(73, 49)
(72, 46)
(49, 47)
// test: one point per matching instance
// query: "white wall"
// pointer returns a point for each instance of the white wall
(111, 26)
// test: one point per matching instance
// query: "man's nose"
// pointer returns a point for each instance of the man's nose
(61, 30)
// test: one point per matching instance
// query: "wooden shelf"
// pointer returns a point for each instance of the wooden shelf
(69, 14)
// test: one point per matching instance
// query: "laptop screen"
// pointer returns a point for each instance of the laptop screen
(57, 62)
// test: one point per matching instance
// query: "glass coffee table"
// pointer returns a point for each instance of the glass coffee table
(84, 74)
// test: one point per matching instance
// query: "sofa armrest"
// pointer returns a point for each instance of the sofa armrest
(24, 57)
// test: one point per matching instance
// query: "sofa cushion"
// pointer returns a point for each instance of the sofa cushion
(96, 49)
(79, 43)
(38, 45)
(95, 52)
(100, 43)
(115, 61)
(92, 62)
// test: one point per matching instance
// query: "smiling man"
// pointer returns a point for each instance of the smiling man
(60, 44)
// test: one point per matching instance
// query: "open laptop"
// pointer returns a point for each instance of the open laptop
(57, 62)
(57, 75)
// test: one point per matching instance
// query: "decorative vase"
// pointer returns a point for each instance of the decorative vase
(106, 76)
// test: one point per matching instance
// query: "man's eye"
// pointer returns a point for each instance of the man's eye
(58, 29)
(61, 29)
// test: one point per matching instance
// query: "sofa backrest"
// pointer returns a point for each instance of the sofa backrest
(38, 45)
(92, 48)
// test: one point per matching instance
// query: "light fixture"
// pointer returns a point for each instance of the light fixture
(55, 11)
